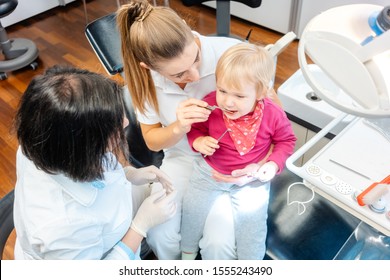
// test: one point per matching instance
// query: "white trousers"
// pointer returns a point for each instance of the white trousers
(218, 241)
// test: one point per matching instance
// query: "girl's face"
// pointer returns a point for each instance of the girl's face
(184, 68)
(237, 102)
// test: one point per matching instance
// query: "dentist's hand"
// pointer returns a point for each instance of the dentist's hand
(156, 209)
(149, 174)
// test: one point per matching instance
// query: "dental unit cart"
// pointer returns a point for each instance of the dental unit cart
(357, 157)
(351, 47)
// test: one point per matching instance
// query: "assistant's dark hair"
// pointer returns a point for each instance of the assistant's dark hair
(67, 121)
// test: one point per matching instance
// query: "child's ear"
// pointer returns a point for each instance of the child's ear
(261, 93)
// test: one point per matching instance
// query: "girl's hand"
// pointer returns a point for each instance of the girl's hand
(267, 171)
(251, 172)
(239, 176)
(206, 145)
(191, 111)
(239, 180)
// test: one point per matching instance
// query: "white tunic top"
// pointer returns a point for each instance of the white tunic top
(57, 218)
(169, 94)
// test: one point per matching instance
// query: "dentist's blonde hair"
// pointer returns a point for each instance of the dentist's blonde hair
(246, 62)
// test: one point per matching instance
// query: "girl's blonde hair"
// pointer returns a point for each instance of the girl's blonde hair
(246, 62)
(150, 35)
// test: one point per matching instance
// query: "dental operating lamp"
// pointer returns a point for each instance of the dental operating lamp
(351, 45)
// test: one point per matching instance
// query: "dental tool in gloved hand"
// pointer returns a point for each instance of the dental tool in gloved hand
(146, 175)
(156, 209)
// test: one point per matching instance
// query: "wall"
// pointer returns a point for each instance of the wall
(288, 15)
(29, 8)
(273, 14)
(307, 9)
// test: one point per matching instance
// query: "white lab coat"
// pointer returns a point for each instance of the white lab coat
(57, 218)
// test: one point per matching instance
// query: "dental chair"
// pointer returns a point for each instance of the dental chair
(18, 53)
(304, 226)
(6, 219)
(223, 12)
(316, 234)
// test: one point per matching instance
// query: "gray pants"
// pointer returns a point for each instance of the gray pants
(250, 212)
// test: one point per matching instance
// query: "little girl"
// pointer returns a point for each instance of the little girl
(239, 133)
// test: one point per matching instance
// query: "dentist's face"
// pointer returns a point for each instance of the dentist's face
(184, 68)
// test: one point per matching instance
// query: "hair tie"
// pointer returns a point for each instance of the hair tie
(146, 13)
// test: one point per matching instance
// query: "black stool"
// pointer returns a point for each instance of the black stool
(223, 13)
(19, 52)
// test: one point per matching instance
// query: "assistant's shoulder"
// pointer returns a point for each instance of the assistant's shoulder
(217, 43)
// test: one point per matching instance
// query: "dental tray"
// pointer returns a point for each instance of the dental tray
(356, 158)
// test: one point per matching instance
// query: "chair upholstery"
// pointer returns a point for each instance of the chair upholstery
(318, 234)
(323, 232)
(140, 155)
(104, 38)
(223, 12)
(6, 219)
